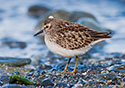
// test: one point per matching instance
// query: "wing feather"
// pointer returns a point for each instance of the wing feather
(73, 37)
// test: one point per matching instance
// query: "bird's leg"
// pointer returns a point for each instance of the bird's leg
(74, 71)
(64, 71)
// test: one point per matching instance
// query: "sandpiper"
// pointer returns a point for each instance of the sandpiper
(69, 39)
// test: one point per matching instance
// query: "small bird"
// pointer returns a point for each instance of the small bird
(69, 39)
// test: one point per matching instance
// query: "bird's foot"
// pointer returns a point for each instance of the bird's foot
(71, 73)
(63, 72)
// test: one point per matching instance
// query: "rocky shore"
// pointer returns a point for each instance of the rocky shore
(96, 68)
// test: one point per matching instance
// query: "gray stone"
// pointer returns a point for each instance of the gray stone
(1, 83)
(91, 23)
(44, 66)
(61, 85)
(47, 82)
(77, 14)
(14, 61)
(83, 82)
(78, 86)
(117, 67)
(123, 56)
(37, 11)
(15, 44)
(4, 78)
(12, 43)
(13, 86)
(106, 76)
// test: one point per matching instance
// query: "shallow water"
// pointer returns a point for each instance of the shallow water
(17, 25)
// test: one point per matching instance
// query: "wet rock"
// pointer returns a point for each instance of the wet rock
(61, 85)
(14, 61)
(1, 83)
(14, 44)
(76, 15)
(37, 11)
(4, 78)
(91, 23)
(13, 86)
(44, 66)
(106, 76)
(115, 55)
(78, 86)
(83, 82)
(47, 82)
(123, 56)
(117, 67)
(101, 81)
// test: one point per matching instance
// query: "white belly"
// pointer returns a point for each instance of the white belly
(55, 48)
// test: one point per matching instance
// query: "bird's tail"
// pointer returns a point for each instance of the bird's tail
(100, 35)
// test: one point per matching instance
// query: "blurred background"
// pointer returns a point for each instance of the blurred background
(21, 19)
(21, 53)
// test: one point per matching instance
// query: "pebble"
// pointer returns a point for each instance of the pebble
(1, 83)
(44, 66)
(61, 85)
(109, 81)
(13, 86)
(106, 76)
(4, 79)
(47, 82)
(117, 67)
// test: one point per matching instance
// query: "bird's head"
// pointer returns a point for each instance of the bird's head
(47, 25)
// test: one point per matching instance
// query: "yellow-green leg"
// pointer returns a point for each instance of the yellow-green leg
(64, 71)
(74, 71)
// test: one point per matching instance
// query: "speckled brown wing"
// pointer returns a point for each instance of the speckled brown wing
(73, 37)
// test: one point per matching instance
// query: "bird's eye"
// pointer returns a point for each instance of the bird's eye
(47, 26)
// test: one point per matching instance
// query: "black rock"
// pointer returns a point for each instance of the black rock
(44, 66)
(47, 82)
(123, 56)
(117, 67)
(116, 55)
(37, 11)
(83, 82)
(91, 23)
(13, 86)
(14, 61)
(61, 85)
(1, 83)
(15, 44)
(109, 76)
(12, 43)
(77, 14)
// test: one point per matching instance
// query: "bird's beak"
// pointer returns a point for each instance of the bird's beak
(41, 31)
